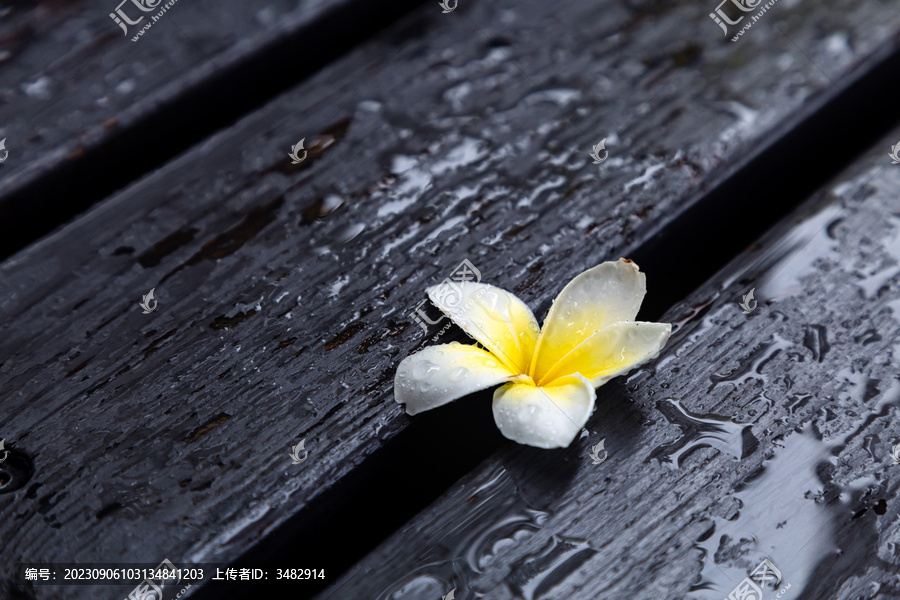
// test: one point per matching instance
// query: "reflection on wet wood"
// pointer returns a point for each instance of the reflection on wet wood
(796, 468)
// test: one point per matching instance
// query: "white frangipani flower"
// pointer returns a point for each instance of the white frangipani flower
(548, 374)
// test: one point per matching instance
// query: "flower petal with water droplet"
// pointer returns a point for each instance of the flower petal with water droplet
(495, 318)
(612, 351)
(546, 417)
(606, 294)
(440, 374)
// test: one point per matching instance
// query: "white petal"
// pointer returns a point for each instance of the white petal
(441, 374)
(606, 294)
(613, 351)
(497, 319)
(545, 417)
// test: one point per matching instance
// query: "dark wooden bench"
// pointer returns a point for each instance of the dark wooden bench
(285, 295)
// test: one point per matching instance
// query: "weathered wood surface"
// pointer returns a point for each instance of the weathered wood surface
(812, 372)
(282, 316)
(85, 110)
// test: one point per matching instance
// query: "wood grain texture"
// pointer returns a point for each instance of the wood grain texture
(87, 110)
(71, 78)
(811, 372)
(285, 291)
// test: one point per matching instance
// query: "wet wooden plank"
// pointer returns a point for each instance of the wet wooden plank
(71, 78)
(285, 291)
(767, 434)
(87, 109)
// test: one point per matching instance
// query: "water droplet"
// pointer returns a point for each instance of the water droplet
(535, 575)
(753, 363)
(528, 414)
(798, 401)
(458, 374)
(329, 204)
(868, 442)
(348, 233)
(495, 304)
(700, 431)
(816, 340)
(423, 369)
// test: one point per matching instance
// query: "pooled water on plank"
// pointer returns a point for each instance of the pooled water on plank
(779, 515)
(795, 512)
(472, 542)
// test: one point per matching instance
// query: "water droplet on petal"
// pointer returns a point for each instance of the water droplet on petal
(458, 374)
(422, 369)
(528, 414)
